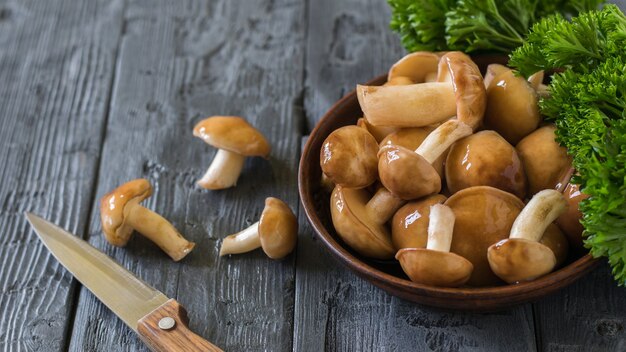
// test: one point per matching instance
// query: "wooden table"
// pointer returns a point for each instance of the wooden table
(95, 93)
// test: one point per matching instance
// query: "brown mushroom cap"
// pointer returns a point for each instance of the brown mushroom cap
(484, 216)
(234, 134)
(556, 240)
(411, 138)
(517, 259)
(407, 174)
(355, 227)
(569, 222)
(485, 159)
(512, 108)
(349, 157)
(409, 227)
(378, 132)
(278, 229)
(543, 158)
(428, 267)
(469, 88)
(414, 66)
(492, 71)
(112, 209)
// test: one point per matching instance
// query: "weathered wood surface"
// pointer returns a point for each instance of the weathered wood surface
(56, 68)
(178, 63)
(97, 93)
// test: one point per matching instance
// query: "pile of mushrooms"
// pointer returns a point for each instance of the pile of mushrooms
(454, 175)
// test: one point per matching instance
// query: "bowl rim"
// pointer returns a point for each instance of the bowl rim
(559, 278)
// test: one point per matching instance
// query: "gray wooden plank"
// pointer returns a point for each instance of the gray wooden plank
(349, 42)
(56, 63)
(179, 62)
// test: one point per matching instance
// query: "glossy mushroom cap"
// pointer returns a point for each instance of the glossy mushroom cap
(354, 225)
(569, 221)
(484, 216)
(409, 226)
(411, 138)
(278, 229)
(512, 108)
(407, 174)
(543, 158)
(234, 134)
(485, 159)
(494, 70)
(518, 260)
(112, 209)
(469, 88)
(349, 157)
(428, 267)
(414, 66)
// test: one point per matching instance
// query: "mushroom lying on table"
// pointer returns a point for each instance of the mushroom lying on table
(485, 159)
(360, 220)
(276, 232)
(121, 213)
(435, 265)
(235, 139)
(522, 257)
(410, 174)
(459, 91)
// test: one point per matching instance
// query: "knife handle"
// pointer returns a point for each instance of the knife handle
(165, 329)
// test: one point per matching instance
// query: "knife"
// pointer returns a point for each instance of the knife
(161, 322)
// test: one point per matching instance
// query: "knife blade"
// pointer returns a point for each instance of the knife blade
(160, 321)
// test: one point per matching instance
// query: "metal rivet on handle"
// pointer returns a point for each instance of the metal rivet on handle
(166, 323)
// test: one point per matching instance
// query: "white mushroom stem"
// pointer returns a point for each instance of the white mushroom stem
(545, 207)
(383, 205)
(242, 242)
(440, 228)
(439, 140)
(158, 230)
(224, 170)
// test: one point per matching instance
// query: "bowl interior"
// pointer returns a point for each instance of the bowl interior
(388, 274)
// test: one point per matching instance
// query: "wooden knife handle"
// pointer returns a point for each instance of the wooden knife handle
(160, 335)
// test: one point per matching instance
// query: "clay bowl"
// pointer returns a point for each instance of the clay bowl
(388, 275)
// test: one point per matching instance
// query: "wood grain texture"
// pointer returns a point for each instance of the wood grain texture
(178, 337)
(56, 62)
(337, 311)
(180, 62)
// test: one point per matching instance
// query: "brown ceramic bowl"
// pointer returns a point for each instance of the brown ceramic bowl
(387, 274)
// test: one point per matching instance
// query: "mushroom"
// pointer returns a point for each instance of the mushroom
(235, 139)
(379, 132)
(409, 226)
(348, 157)
(512, 108)
(522, 257)
(459, 91)
(435, 265)
(411, 138)
(492, 71)
(536, 79)
(485, 159)
(276, 232)
(399, 81)
(569, 221)
(484, 216)
(360, 220)
(543, 158)
(410, 175)
(415, 67)
(121, 213)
